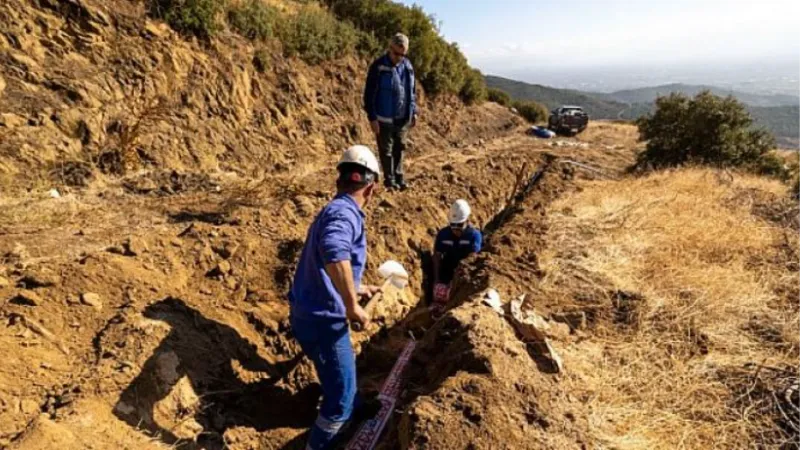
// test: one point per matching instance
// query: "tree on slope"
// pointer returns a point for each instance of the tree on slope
(706, 129)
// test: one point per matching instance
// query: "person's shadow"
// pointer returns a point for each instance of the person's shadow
(203, 350)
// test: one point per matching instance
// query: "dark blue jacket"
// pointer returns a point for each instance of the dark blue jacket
(337, 234)
(389, 93)
(454, 249)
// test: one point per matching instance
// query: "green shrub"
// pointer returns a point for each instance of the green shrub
(499, 97)
(440, 66)
(315, 35)
(367, 45)
(532, 111)
(253, 19)
(190, 17)
(474, 89)
(772, 165)
(706, 129)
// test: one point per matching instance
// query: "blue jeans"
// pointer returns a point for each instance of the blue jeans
(327, 344)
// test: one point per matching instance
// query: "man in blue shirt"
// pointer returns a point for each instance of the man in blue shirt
(453, 244)
(391, 106)
(326, 289)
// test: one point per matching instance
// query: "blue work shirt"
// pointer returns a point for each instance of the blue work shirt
(337, 234)
(454, 249)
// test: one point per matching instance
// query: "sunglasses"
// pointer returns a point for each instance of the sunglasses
(398, 55)
(456, 226)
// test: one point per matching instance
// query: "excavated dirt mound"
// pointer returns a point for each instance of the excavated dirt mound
(481, 386)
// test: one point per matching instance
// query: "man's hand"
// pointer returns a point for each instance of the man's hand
(368, 291)
(357, 314)
(376, 127)
(341, 273)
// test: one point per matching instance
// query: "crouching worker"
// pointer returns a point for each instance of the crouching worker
(325, 293)
(453, 243)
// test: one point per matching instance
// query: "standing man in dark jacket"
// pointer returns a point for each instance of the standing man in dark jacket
(391, 106)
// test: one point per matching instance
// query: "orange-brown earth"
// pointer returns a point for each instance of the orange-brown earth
(151, 306)
(145, 306)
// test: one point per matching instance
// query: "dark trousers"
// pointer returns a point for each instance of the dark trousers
(391, 146)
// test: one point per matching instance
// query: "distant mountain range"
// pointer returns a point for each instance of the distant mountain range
(777, 113)
(649, 95)
(598, 105)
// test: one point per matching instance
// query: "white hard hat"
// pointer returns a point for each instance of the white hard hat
(459, 212)
(363, 156)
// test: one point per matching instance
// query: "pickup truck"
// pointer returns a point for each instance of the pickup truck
(568, 120)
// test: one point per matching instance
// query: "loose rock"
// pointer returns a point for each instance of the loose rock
(27, 298)
(575, 320)
(28, 406)
(134, 247)
(230, 282)
(221, 269)
(386, 203)
(39, 279)
(224, 267)
(92, 299)
(227, 250)
(19, 253)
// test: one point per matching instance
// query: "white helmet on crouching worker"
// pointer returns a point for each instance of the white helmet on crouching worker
(459, 212)
(358, 164)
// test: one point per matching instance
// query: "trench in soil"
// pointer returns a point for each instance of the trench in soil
(283, 402)
(245, 402)
(378, 357)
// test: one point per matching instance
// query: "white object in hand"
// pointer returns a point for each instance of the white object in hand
(394, 270)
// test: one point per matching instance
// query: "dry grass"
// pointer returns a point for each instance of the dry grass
(610, 133)
(689, 283)
(37, 211)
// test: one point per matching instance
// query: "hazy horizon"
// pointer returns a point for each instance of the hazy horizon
(628, 44)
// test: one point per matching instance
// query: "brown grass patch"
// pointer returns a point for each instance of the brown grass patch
(676, 372)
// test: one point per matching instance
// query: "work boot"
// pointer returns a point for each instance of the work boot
(390, 185)
(401, 183)
(367, 409)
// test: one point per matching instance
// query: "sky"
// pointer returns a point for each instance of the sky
(514, 36)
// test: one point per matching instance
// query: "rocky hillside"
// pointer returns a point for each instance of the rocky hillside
(92, 88)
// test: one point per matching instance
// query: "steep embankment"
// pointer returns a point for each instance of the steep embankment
(93, 87)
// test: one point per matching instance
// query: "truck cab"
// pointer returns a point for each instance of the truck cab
(568, 119)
